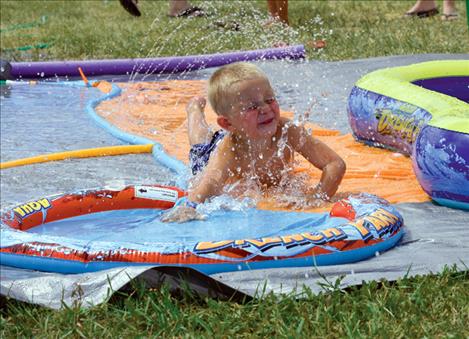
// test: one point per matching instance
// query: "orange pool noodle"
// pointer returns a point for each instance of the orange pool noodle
(85, 80)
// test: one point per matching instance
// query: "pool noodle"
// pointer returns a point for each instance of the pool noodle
(149, 65)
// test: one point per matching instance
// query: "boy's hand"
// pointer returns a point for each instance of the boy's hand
(181, 214)
(316, 193)
(317, 197)
(313, 202)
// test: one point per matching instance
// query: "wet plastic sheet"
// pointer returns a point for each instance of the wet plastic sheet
(54, 290)
(436, 236)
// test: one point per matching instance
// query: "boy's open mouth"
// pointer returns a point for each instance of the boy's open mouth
(265, 122)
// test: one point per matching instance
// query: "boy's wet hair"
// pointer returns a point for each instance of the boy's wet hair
(220, 85)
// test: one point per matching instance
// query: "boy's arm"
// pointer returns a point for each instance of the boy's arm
(321, 156)
(213, 177)
(209, 183)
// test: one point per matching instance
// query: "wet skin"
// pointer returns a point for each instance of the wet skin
(259, 146)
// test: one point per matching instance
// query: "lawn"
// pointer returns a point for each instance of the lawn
(102, 29)
(426, 306)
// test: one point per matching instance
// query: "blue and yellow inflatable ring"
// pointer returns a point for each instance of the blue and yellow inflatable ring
(421, 110)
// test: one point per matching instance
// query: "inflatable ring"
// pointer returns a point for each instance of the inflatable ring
(421, 110)
(34, 234)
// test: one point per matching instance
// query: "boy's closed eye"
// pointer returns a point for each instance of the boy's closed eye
(254, 106)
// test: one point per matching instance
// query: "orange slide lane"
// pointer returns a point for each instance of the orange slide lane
(157, 111)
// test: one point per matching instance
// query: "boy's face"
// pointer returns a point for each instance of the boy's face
(254, 110)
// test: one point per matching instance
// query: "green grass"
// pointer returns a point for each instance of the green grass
(425, 306)
(429, 306)
(102, 29)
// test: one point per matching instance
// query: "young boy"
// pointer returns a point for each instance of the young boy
(255, 141)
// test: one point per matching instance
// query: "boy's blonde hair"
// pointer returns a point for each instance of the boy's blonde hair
(220, 85)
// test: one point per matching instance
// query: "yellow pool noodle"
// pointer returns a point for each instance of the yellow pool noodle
(83, 153)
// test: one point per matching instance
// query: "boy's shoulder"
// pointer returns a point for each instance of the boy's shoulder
(282, 124)
(287, 125)
(294, 132)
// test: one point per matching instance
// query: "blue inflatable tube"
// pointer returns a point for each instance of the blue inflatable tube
(100, 229)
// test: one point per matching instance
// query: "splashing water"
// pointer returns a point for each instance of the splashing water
(227, 23)
(227, 203)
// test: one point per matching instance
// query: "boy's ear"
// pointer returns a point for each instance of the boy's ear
(223, 122)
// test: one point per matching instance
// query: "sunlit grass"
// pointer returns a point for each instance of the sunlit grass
(427, 306)
(102, 29)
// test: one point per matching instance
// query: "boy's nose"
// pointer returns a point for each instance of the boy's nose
(264, 108)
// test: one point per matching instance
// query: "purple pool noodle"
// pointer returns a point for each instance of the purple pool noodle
(150, 65)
